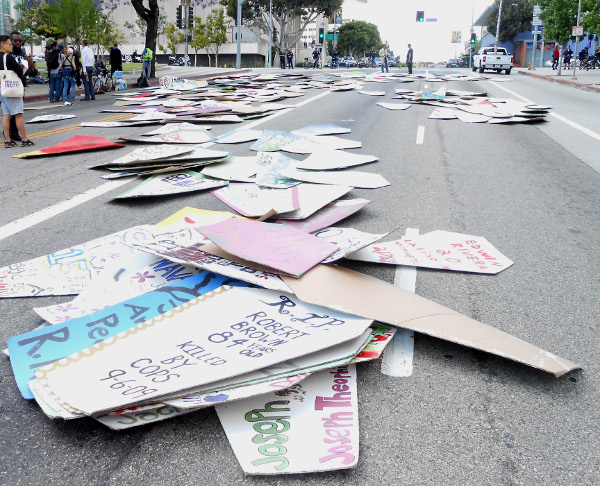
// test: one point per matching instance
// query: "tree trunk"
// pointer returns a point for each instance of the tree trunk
(150, 16)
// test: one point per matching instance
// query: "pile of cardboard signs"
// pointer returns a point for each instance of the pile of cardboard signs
(253, 317)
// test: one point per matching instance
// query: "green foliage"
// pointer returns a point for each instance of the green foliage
(516, 18)
(140, 25)
(290, 17)
(34, 17)
(76, 18)
(559, 17)
(216, 32)
(103, 33)
(358, 37)
(174, 37)
(200, 39)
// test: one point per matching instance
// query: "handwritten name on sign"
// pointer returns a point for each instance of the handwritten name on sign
(283, 248)
(438, 249)
(311, 426)
(41, 347)
(208, 339)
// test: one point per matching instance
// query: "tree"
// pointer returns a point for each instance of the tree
(200, 39)
(150, 15)
(174, 37)
(358, 37)
(285, 15)
(516, 18)
(76, 18)
(559, 17)
(216, 32)
(104, 34)
(33, 16)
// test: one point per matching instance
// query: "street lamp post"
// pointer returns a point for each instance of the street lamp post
(238, 57)
(577, 39)
(270, 32)
(498, 28)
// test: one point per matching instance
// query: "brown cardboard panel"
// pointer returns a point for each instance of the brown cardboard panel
(355, 293)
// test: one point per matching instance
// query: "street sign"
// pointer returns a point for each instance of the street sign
(430, 20)
(330, 36)
(536, 21)
(537, 10)
(577, 30)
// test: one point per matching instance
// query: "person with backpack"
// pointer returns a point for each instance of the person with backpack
(68, 76)
(52, 64)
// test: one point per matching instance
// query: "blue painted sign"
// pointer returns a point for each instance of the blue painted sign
(41, 347)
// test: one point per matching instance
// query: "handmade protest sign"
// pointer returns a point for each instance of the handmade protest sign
(118, 283)
(238, 169)
(289, 250)
(153, 152)
(239, 136)
(253, 201)
(312, 426)
(273, 140)
(40, 347)
(273, 378)
(328, 215)
(438, 249)
(172, 183)
(395, 106)
(190, 135)
(213, 337)
(313, 197)
(366, 180)
(348, 240)
(334, 159)
(78, 143)
(50, 118)
(69, 271)
(270, 166)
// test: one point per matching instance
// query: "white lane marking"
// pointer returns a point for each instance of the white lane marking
(572, 124)
(420, 134)
(47, 213)
(397, 358)
(42, 215)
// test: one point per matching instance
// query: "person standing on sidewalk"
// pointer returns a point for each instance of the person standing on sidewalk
(26, 63)
(316, 54)
(146, 63)
(87, 65)
(555, 57)
(116, 60)
(68, 76)
(290, 59)
(12, 106)
(282, 58)
(383, 54)
(409, 59)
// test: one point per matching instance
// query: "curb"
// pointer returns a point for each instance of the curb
(154, 82)
(568, 82)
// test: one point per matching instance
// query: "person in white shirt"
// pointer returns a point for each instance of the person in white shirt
(87, 65)
(383, 54)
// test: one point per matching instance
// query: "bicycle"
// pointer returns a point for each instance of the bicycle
(104, 82)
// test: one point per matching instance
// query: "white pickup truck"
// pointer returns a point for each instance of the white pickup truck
(493, 59)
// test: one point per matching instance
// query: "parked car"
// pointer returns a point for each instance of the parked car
(363, 62)
(349, 61)
(452, 63)
(391, 61)
(378, 61)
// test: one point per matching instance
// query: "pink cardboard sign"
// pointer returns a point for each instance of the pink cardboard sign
(280, 247)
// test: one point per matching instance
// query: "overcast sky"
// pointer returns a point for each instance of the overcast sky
(431, 41)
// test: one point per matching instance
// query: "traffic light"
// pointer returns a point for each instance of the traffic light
(179, 23)
(190, 17)
(274, 34)
(321, 36)
(420, 16)
(473, 37)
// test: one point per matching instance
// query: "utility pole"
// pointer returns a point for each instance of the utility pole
(498, 28)
(186, 25)
(238, 57)
(270, 32)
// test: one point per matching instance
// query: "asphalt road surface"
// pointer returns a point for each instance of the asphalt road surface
(462, 417)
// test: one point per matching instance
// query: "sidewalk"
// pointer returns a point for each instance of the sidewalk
(588, 80)
(36, 92)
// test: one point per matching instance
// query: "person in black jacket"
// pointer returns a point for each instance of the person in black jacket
(12, 106)
(116, 59)
(26, 62)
